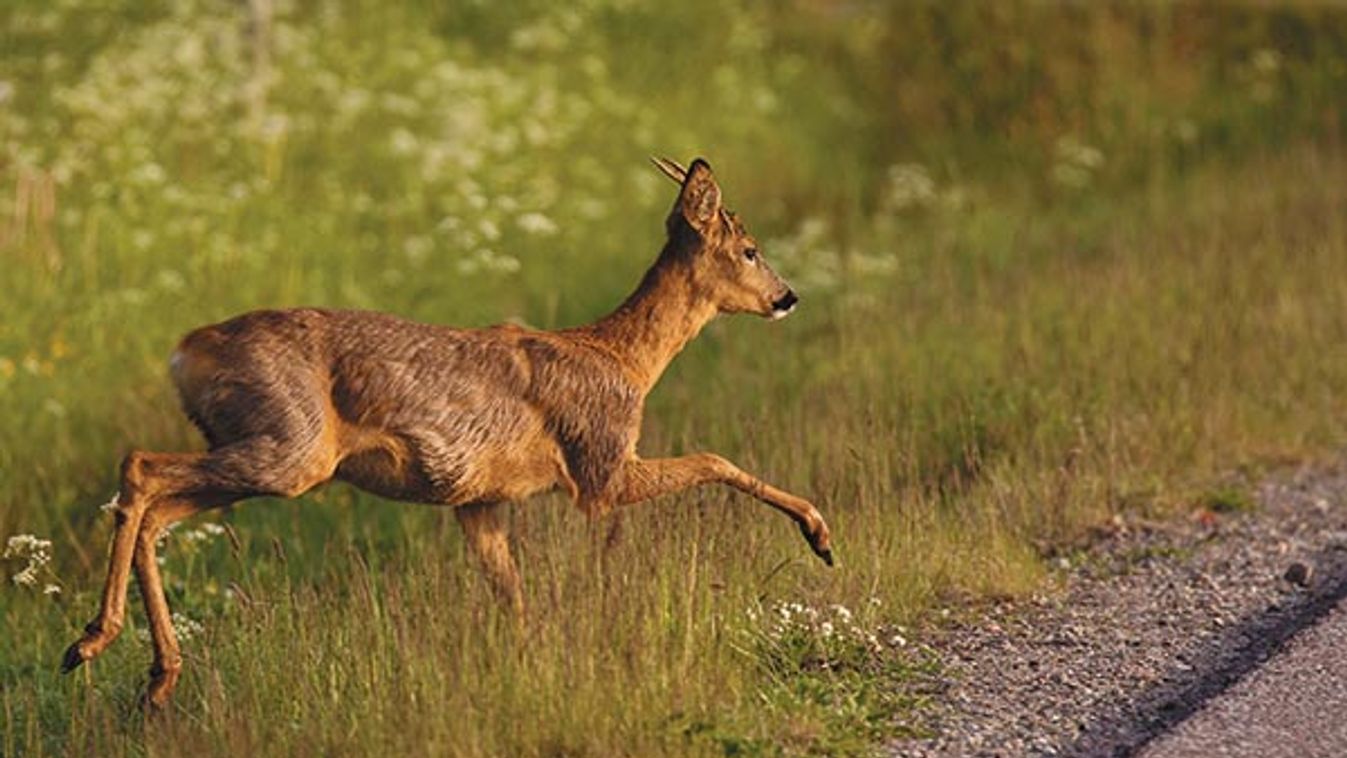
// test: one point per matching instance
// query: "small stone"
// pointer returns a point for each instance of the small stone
(1298, 574)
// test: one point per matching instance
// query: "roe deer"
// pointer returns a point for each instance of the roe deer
(469, 418)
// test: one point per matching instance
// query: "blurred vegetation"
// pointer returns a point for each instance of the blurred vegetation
(1057, 261)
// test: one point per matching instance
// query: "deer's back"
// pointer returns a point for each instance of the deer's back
(414, 411)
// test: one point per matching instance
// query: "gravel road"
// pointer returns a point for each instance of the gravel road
(1143, 628)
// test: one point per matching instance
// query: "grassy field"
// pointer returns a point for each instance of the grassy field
(1055, 264)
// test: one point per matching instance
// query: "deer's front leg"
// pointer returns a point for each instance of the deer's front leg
(487, 536)
(642, 479)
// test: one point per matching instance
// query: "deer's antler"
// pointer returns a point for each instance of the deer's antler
(670, 169)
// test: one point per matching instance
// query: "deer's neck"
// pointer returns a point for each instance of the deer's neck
(656, 321)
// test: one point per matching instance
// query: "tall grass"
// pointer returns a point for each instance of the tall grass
(1104, 282)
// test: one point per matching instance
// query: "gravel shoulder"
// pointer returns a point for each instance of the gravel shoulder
(1146, 625)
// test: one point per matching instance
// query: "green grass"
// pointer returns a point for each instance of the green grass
(1004, 338)
(1229, 499)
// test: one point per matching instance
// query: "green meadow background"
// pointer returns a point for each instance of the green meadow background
(1057, 261)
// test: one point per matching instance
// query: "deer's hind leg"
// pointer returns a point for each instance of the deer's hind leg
(161, 488)
(167, 655)
(136, 493)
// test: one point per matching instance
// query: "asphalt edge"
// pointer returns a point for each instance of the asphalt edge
(1129, 726)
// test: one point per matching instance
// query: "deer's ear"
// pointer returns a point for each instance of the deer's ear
(699, 200)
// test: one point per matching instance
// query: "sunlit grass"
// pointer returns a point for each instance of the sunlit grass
(983, 365)
(947, 422)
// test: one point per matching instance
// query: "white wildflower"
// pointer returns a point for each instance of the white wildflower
(402, 142)
(488, 229)
(148, 175)
(541, 36)
(111, 505)
(28, 546)
(1076, 162)
(27, 577)
(170, 280)
(1073, 151)
(592, 208)
(353, 102)
(505, 264)
(162, 539)
(909, 186)
(417, 248)
(1266, 60)
(537, 224)
(186, 627)
(51, 589)
(32, 549)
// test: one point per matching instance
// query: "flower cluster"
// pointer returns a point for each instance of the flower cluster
(202, 534)
(187, 544)
(37, 553)
(173, 130)
(184, 628)
(793, 635)
(909, 186)
(1076, 163)
(812, 259)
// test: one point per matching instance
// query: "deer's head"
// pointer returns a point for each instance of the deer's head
(726, 265)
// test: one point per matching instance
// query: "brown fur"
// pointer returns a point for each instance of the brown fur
(470, 418)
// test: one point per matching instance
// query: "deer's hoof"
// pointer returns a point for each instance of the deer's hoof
(162, 683)
(819, 541)
(73, 657)
(97, 636)
(152, 706)
(159, 691)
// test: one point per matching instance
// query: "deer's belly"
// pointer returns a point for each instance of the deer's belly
(432, 467)
(384, 472)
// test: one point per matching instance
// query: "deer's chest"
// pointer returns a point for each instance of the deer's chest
(591, 412)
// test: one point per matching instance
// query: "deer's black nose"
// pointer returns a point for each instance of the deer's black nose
(785, 302)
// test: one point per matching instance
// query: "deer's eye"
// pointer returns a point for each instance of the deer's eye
(750, 254)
